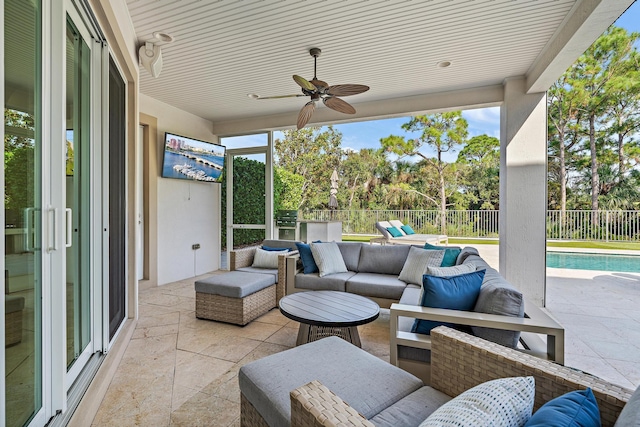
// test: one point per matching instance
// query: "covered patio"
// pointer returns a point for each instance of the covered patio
(178, 370)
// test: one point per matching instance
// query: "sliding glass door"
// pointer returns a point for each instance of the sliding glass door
(61, 305)
(23, 212)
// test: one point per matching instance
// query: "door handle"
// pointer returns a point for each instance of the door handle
(28, 229)
(68, 241)
(53, 213)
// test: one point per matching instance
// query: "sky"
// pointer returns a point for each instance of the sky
(367, 134)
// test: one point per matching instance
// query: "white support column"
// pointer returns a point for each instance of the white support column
(523, 189)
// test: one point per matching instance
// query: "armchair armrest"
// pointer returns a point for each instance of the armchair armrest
(281, 286)
(241, 258)
(314, 405)
(292, 269)
(460, 361)
(535, 321)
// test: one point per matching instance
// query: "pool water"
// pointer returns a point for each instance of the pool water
(586, 261)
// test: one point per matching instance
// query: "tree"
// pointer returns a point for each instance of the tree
(564, 117)
(480, 161)
(312, 153)
(361, 172)
(442, 132)
(600, 68)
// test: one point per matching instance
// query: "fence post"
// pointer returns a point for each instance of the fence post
(607, 226)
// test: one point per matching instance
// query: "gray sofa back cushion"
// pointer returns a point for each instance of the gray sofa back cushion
(376, 285)
(411, 410)
(497, 296)
(364, 381)
(630, 415)
(350, 254)
(383, 259)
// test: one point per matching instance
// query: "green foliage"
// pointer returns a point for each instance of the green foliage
(248, 200)
(287, 190)
(312, 153)
(594, 119)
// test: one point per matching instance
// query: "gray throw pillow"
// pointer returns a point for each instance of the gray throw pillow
(456, 270)
(328, 258)
(417, 262)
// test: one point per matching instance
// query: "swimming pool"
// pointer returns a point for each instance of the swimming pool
(591, 261)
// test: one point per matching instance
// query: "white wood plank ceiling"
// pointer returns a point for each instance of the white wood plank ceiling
(226, 49)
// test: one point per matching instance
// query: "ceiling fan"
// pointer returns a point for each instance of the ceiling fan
(317, 90)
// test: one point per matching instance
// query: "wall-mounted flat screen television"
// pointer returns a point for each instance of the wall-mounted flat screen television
(192, 159)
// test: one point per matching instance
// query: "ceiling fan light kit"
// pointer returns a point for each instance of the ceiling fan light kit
(319, 90)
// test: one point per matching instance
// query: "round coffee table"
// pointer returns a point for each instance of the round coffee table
(329, 313)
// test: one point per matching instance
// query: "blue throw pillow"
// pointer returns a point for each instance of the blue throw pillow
(272, 249)
(407, 230)
(308, 263)
(450, 254)
(394, 231)
(574, 409)
(455, 293)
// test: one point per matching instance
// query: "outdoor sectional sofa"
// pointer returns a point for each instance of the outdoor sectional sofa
(501, 314)
(329, 382)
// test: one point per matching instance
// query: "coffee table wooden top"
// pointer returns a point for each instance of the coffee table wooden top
(329, 308)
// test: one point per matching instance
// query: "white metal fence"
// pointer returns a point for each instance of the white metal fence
(572, 225)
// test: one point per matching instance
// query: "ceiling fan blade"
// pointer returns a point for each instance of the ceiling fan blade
(280, 96)
(346, 90)
(305, 114)
(304, 83)
(339, 105)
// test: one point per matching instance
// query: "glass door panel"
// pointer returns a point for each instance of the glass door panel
(23, 198)
(77, 180)
(248, 206)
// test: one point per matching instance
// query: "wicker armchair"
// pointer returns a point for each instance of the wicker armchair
(459, 362)
(244, 258)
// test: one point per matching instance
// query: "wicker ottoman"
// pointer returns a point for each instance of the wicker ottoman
(235, 297)
(13, 306)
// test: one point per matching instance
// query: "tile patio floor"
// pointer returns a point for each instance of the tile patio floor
(182, 371)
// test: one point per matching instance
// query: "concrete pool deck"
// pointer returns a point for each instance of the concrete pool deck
(600, 311)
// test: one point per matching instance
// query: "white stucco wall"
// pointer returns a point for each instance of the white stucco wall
(187, 212)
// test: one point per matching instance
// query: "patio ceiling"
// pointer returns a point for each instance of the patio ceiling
(224, 50)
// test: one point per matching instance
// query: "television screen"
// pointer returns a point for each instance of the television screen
(192, 159)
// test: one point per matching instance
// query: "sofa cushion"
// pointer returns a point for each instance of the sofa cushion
(450, 256)
(350, 254)
(272, 249)
(266, 259)
(275, 244)
(577, 408)
(416, 264)
(497, 296)
(411, 296)
(383, 259)
(376, 285)
(506, 402)
(342, 367)
(395, 232)
(328, 258)
(412, 409)
(456, 293)
(234, 284)
(630, 415)
(454, 270)
(313, 281)
(306, 256)
(273, 271)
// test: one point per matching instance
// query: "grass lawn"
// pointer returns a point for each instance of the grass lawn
(562, 244)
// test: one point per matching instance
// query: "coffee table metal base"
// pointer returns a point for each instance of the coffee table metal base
(308, 333)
